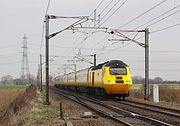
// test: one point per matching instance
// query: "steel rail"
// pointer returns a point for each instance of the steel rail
(118, 110)
(79, 101)
(174, 110)
(129, 113)
(104, 113)
(165, 110)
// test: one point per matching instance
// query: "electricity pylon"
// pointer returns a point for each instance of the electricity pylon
(25, 74)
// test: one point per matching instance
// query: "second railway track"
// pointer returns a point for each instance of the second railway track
(113, 112)
(151, 107)
(166, 114)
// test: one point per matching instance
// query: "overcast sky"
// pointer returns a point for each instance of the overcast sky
(19, 17)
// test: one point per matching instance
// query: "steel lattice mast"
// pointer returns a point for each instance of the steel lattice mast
(25, 74)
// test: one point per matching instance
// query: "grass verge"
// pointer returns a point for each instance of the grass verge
(42, 113)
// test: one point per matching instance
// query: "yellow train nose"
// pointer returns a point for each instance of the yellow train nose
(118, 88)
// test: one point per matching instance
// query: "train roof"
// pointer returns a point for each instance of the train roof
(112, 63)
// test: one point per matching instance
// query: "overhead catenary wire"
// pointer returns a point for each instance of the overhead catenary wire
(142, 14)
(109, 17)
(158, 16)
(162, 29)
(114, 12)
(152, 61)
(104, 17)
(106, 7)
(101, 18)
(97, 7)
(89, 35)
(85, 25)
(92, 48)
(101, 11)
(160, 3)
(114, 49)
(175, 7)
(163, 18)
(95, 25)
(93, 12)
(100, 49)
(110, 9)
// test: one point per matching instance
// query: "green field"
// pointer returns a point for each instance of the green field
(13, 86)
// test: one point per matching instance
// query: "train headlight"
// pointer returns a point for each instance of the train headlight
(110, 82)
(128, 81)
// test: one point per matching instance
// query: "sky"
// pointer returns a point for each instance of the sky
(162, 17)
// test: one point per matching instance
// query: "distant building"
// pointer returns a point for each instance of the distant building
(7, 79)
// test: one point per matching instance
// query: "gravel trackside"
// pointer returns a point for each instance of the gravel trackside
(49, 115)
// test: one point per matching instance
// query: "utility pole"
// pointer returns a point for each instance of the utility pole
(146, 97)
(38, 77)
(65, 71)
(40, 72)
(75, 72)
(94, 59)
(47, 58)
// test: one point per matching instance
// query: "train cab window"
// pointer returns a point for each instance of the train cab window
(118, 71)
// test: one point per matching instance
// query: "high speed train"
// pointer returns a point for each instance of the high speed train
(111, 78)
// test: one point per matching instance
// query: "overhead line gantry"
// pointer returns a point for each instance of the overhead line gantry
(76, 25)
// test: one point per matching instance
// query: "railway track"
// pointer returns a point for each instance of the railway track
(162, 113)
(152, 107)
(115, 113)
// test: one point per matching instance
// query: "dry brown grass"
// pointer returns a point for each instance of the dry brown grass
(7, 96)
(169, 93)
(15, 110)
